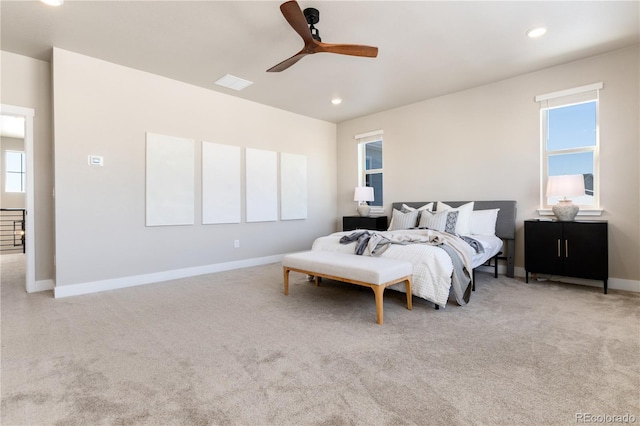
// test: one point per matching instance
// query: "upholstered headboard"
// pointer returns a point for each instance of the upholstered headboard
(505, 223)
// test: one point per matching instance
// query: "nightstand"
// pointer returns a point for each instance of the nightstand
(571, 249)
(376, 223)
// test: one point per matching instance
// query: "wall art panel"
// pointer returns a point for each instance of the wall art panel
(262, 185)
(221, 180)
(293, 186)
(170, 182)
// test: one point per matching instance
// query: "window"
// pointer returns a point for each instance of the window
(570, 141)
(370, 166)
(15, 177)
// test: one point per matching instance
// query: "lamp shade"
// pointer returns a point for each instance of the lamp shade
(565, 186)
(363, 193)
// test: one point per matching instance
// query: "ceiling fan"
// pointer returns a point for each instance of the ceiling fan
(303, 24)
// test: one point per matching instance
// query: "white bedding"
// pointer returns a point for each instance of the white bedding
(492, 246)
(432, 266)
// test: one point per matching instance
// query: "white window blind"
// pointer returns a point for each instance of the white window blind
(572, 96)
(373, 136)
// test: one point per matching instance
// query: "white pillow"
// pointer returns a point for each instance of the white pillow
(401, 220)
(464, 216)
(483, 222)
(406, 208)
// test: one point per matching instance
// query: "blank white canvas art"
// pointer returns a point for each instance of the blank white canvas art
(221, 186)
(261, 185)
(170, 182)
(293, 186)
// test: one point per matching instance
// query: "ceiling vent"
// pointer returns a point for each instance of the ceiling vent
(232, 82)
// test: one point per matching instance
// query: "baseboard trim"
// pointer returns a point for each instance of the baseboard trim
(42, 285)
(627, 285)
(612, 284)
(136, 280)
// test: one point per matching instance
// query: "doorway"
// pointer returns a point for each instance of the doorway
(26, 115)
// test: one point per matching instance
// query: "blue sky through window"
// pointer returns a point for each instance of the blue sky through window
(572, 126)
(373, 161)
(571, 164)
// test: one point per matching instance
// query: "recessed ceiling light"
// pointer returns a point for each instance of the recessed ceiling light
(233, 82)
(536, 32)
(53, 2)
(336, 101)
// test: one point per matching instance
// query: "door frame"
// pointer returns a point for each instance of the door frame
(27, 114)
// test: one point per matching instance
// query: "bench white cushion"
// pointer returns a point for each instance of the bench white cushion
(372, 270)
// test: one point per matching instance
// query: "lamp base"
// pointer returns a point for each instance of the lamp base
(364, 210)
(565, 210)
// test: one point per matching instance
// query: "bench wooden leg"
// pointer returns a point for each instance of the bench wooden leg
(286, 280)
(378, 290)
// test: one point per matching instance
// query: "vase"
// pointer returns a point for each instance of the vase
(565, 210)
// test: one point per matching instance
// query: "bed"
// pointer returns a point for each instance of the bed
(428, 235)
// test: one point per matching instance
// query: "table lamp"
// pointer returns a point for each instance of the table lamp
(363, 194)
(565, 186)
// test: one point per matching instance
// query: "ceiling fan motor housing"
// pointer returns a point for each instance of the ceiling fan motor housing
(312, 16)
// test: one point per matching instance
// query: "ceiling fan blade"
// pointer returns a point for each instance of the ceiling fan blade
(348, 49)
(294, 16)
(288, 62)
(298, 21)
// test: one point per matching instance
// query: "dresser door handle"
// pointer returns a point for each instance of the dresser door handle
(558, 247)
(566, 248)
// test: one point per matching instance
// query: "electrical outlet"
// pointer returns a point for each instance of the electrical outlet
(236, 243)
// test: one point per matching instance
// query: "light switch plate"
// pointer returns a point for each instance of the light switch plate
(96, 160)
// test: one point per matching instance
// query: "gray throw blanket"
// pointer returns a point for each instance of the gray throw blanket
(460, 279)
(362, 238)
(477, 245)
(377, 243)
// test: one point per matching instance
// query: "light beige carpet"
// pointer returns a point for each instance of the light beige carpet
(231, 349)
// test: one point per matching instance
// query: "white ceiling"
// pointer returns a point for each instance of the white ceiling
(426, 48)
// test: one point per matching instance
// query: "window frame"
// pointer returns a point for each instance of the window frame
(362, 140)
(22, 172)
(565, 98)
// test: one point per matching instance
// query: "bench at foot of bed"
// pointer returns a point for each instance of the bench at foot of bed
(374, 272)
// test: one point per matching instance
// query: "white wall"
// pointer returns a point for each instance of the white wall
(26, 82)
(105, 109)
(483, 143)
